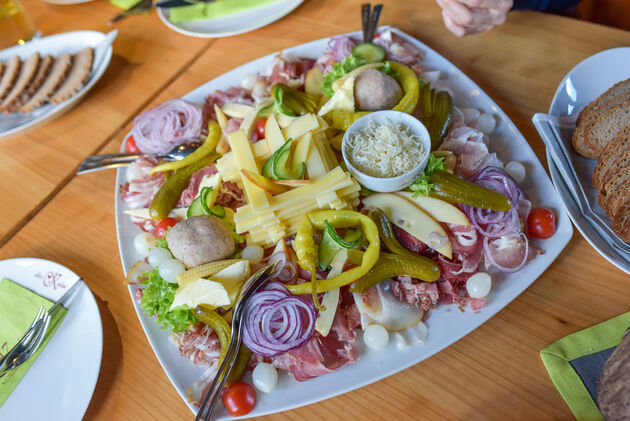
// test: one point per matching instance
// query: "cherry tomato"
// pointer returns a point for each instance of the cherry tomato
(131, 145)
(541, 223)
(163, 226)
(239, 399)
(260, 127)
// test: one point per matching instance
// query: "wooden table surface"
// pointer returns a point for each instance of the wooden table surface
(493, 373)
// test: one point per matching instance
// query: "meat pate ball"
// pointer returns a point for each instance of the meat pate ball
(200, 239)
(376, 91)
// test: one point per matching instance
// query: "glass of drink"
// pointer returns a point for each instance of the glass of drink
(16, 27)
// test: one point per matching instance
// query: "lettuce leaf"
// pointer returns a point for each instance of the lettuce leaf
(156, 301)
(345, 66)
(422, 185)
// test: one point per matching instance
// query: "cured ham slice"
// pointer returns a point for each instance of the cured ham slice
(9, 76)
(57, 75)
(26, 76)
(81, 68)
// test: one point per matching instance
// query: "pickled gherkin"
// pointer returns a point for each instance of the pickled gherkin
(451, 188)
(437, 113)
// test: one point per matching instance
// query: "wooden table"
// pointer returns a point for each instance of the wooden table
(493, 373)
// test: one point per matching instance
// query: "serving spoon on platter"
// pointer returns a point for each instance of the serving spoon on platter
(115, 160)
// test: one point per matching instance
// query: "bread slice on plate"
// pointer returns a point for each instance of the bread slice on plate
(42, 73)
(620, 89)
(27, 74)
(81, 68)
(578, 140)
(2, 67)
(621, 223)
(601, 131)
(610, 156)
(9, 76)
(55, 78)
(618, 198)
(611, 184)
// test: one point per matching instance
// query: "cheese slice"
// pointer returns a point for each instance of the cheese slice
(244, 158)
(284, 120)
(232, 278)
(201, 291)
(342, 99)
(226, 165)
(331, 298)
(273, 134)
(300, 126)
(221, 117)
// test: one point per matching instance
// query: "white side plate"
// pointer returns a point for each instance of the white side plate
(60, 383)
(446, 324)
(68, 42)
(237, 23)
(585, 82)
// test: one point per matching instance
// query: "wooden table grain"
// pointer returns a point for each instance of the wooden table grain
(495, 373)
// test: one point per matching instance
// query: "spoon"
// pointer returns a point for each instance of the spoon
(114, 160)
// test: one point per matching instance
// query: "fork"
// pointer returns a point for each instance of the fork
(252, 285)
(29, 343)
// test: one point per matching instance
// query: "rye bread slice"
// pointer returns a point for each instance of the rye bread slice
(42, 73)
(621, 223)
(81, 68)
(610, 155)
(617, 90)
(9, 76)
(578, 140)
(604, 128)
(27, 74)
(618, 198)
(57, 75)
(611, 184)
(2, 67)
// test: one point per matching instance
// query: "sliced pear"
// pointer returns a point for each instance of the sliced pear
(293, 183)
(409, 217)
(273, 134)
(302, 150)
(313, 81)
(439, 209)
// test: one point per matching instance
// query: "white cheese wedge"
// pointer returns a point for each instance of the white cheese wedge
(232, 278)
(201, 291)
(331, 298)
(342, 99)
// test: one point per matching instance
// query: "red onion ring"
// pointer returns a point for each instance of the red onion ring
(492, 261)
(170, 124)
(277, 321)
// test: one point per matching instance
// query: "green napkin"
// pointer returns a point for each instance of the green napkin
(213, 10)
(18, 307)
(123, 4)
(557, 359)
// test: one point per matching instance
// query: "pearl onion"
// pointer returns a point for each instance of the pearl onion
(375, 336)
(487, 123)
(516, 170)
(158, 255)
(248, 81)
(170, 268)
(478, 285)
(133, 172)
(144, 242)
(265, 377)
(253, 253)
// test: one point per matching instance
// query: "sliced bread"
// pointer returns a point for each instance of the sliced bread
(610, 156)
(9, 76)
(620, 89)
(611, 184)
(618, 198)
(55, 78)
(578, 140)
(42, 73)
(81, 68)
(2, 67)
(27, 74)
(605, 127)
(621, 223)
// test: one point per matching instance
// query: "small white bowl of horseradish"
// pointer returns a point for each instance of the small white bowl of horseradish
(386, 150)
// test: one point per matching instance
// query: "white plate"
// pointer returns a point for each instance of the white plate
(446, 323)
(60, 383)
(237, 23)
(68, 42)
(585, 82)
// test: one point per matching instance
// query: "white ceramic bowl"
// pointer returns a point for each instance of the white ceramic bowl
(388, 184)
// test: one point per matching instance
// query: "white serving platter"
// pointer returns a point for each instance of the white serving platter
(60, 383)
(235, 24)
(68, 42)
(446, 326)
(577, 89)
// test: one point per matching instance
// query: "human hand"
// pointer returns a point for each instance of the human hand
(465, 17)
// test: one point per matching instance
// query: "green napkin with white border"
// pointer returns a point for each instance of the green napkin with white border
(213, 10)
(18, 308)
(557, 356)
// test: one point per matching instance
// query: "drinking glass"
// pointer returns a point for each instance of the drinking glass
(16, 27)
